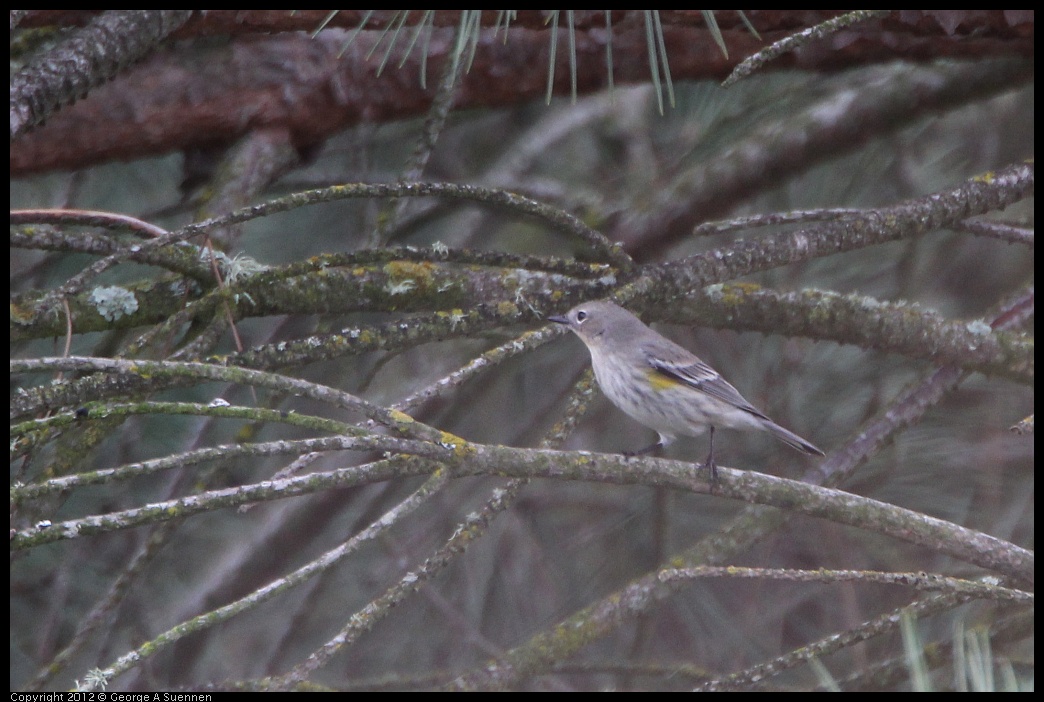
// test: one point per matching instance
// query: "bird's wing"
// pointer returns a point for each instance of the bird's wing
(704, 378)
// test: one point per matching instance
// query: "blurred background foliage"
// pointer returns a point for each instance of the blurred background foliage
(222, 110)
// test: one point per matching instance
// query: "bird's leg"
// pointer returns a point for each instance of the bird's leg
(642, 452)
(711, 464)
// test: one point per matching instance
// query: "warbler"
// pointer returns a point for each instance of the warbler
(661, 384)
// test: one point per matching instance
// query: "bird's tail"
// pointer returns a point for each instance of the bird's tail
(791, 439)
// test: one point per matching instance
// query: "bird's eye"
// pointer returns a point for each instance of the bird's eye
(581, 316)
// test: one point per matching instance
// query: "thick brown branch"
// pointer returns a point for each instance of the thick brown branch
(306, 86)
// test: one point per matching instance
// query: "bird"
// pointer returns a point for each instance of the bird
(663, 385)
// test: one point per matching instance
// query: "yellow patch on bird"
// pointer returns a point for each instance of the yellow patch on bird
(660, 382)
